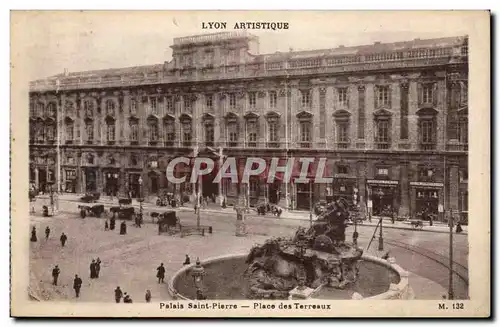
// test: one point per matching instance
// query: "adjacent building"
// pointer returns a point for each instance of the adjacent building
(391, 119)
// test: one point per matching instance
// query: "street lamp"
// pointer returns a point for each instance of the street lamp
(140, 195)
(198, 272)
(356, 213)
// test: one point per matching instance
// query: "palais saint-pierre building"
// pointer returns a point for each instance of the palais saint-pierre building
(391, 119)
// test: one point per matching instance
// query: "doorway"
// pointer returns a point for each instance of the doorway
(383, 201)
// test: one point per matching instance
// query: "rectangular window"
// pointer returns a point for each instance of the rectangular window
(273, 131)
(341, 169)
(382, 131)
(188, 105)
(305, 131)
(306, 98)
(209, 101)
(153, 102)
(209, 133)
(134, 132)
(254, 187)
(153, 132)
(69, 132)
(50, 133)
(342, 97)
(252, 134)
(233, 132)
(252, 100)
(170, 132)
(427, 131)
(186, 131)
(273, 99)
(383, 96)
(90, 132)
(343, 132)
(170, 105)
(463, 131)
(427, 93)
(232, 56)
(110, 132)
(133, 107)
(232, 101)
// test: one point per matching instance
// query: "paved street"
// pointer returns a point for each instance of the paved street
(130, 261)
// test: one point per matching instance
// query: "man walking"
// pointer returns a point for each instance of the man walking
(77, 285)
(47, 233)
(93, 269)
(63, 239)
(187, 261)
(55, 275)
(97, 267)
(161, 273)
(118, 294)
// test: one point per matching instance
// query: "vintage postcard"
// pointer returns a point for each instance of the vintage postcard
(240, 163)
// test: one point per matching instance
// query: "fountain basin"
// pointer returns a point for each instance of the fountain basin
(224, 280)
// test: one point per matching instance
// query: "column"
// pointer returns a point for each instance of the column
(121, 181)
(362, 180)
(37, 180)
(84, 181)
(404, 209)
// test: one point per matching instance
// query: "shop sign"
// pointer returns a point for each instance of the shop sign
(426, 184)
(381, 181)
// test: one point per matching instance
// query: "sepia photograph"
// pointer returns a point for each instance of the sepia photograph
(219, 164)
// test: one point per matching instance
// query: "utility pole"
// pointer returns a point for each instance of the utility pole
(310, 204)
(450, 280)
(380, 238)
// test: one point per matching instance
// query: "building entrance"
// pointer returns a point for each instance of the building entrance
(383, 201)
(427, 202)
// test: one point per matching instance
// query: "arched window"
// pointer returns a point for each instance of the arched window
(153, 132)
(69, 108)
(383, 129)
(88, 107)
(342, 126)
(427, 128)
(134, 131)
(51, 109)
(69, 130)
(305, 129)
(110, 108)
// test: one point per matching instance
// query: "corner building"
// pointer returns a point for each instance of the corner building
(391, 119)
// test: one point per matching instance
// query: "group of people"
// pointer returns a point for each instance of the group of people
(112, 223)
(34, 237)
(77, 281)
(119, 295)
(95, 268)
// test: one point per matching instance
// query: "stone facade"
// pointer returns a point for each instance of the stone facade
(391, 119)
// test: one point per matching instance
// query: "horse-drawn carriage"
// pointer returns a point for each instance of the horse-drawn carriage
(123, 212)
(417, 224)
(264, 208)
(125, 201)
(95, 210)
(167, 221)
(90, 197)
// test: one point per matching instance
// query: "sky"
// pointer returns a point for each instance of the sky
(50, 42)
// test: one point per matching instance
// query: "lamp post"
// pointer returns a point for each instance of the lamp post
(198, 272)
(356, 213)
(140, 195)
(450, 276)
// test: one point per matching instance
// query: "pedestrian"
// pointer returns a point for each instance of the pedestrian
(161, 273)
(63, 239)
(97, 267)
(123, 228)
(112, 222)
(118, 294)
(47, 233)
(187, 261)
(386, 256)
(93, 269)
(126, 298)
(459, 228)
(77, 285)
(33, 235)
(55, 275)
(106, 226)
(148, 296)
(200, 296)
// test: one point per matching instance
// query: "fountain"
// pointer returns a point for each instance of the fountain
(317, 262)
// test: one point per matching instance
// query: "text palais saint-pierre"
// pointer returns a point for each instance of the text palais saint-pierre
(246, 25)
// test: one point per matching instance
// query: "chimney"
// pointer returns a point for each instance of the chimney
(66, 72)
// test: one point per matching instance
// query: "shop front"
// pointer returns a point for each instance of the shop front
(343, 188)
(426, 198)
(89, 175)
(111, 181)
(70, 180)
(384, 195)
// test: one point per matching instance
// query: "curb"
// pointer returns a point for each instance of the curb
(187, 209)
